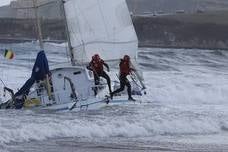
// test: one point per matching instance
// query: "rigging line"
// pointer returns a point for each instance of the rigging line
(35, 11)
(2, 73)
(83, 51)
(66, 51)
(61, 6)
(136, 83)
(3, 82)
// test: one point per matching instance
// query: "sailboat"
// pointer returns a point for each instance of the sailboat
(93, 27)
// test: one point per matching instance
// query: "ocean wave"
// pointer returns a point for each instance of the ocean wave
(187, 95)
(148, 121)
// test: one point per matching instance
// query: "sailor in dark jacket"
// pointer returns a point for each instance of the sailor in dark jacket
(125, 70)
(96, 65)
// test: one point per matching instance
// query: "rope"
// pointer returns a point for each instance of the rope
(134, 80)
(3, 82)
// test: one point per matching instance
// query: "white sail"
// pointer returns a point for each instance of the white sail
(100, 26)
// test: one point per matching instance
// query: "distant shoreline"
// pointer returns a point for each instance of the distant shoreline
(23, 40)
(177, 47)
(15, 41)
(207, 30)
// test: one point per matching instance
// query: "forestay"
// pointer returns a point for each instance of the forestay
(100, 26)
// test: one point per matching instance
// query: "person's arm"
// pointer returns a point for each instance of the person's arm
(132, 69)
(106, 65)
(89, 67)
(121, 61)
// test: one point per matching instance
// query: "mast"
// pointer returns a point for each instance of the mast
(72, 59)
(39, 32)
(40, 38)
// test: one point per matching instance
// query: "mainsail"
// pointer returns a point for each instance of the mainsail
(100, 26)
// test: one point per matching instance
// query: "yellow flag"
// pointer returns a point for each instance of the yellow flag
(9, 54)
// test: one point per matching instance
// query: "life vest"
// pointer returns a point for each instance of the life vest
(97, 65)
(124, 68)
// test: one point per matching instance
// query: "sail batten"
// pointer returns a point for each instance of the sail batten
(100, 26)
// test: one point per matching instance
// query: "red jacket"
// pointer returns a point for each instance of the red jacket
(125, 68)
(97, 66)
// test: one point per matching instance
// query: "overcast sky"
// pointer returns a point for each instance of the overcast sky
(4, 2)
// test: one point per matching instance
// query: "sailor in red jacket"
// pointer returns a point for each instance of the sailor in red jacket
(125, 70)
(96, 65)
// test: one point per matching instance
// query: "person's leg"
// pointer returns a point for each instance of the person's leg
(122, 85)
(128, 84)
(128, 88)
(96, 82)
(104, 75)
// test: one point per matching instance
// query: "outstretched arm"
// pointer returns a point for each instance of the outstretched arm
(133, 69)
(106, 65)
(89, 67)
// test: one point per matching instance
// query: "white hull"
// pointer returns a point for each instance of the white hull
(89, 104)
(72, 88)
(82, 84)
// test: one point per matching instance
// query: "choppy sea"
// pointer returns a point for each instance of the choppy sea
(185, 109)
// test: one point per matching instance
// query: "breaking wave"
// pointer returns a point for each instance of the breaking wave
(145, 121)
(186, 95)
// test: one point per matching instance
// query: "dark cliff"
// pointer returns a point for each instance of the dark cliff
(206, 30)
(172, 32)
